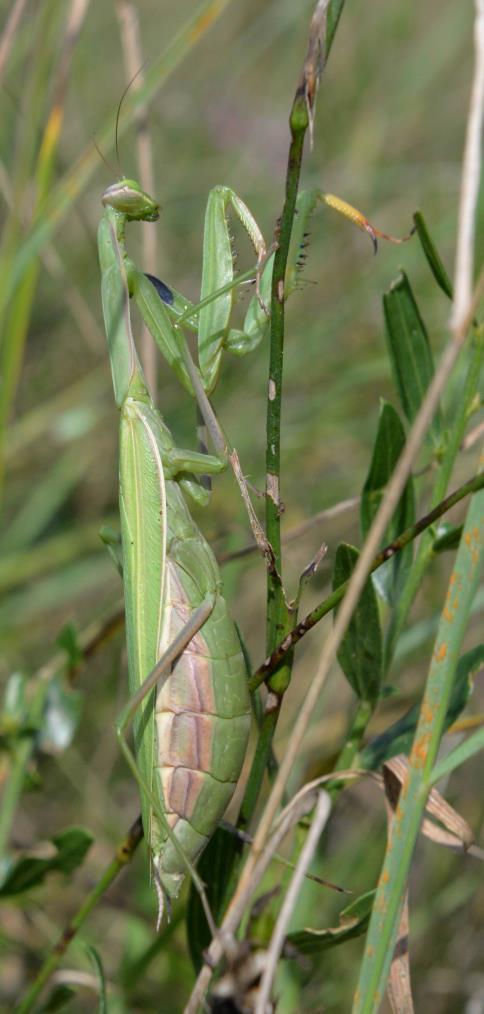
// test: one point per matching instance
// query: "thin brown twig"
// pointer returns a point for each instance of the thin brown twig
(328, 514)
(301, 804)
(293, 813)
(331, 601)
(321, 814)
(262, 545)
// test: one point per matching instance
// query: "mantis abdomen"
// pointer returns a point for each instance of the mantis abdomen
(191, 732)
(202, 708)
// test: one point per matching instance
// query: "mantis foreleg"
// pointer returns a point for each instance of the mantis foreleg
(165, 311)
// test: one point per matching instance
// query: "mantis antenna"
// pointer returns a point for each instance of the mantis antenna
(118, 112)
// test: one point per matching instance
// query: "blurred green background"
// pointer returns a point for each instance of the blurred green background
(388, 137)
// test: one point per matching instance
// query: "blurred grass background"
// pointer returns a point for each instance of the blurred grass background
(388, 137)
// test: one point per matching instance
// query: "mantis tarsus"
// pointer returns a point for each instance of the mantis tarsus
(187, 675)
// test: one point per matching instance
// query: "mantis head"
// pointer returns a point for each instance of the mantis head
(127, 197)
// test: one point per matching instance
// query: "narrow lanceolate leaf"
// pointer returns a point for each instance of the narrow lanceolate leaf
(432, 255)
(352, 922)
(361, 653)
(389, 443)
(398, 738)
(410, 353)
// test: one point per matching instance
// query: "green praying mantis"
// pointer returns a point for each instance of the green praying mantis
(187, 674)
(187, 677)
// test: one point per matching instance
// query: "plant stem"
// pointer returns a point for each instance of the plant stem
(277, 610)
(280, 617)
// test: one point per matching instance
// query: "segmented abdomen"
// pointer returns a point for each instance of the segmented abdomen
(202, 707)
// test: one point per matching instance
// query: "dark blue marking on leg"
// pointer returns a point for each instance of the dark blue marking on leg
(163, 291)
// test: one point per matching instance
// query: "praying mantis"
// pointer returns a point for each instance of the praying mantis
(187, 674)
(187, 677)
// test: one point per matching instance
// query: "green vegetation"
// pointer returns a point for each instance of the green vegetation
(325, 405)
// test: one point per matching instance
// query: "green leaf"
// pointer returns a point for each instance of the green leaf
(216, 868)
(409, 350)
(389, 443)
(361, 651)
(353, 921)
(399, 737)
(433, 258)
(72, 844)
(22, 874)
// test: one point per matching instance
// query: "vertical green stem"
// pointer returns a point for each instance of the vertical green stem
(280, 618)
(276, 359)
(323, 28)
